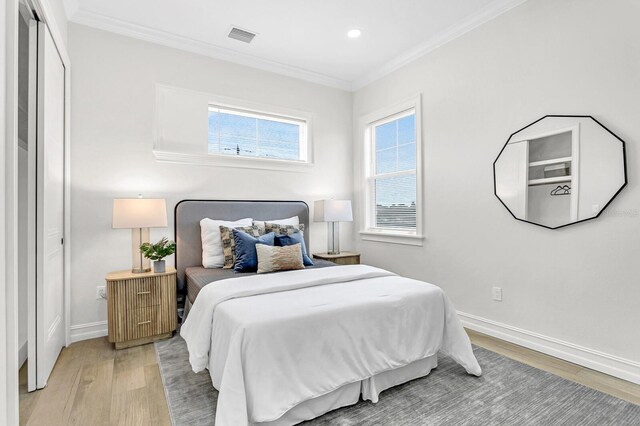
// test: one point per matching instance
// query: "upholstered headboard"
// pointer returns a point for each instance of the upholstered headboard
(188, 213)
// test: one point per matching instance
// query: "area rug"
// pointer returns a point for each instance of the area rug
(508, 393)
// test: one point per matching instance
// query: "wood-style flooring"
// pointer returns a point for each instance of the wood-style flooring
(93, 384)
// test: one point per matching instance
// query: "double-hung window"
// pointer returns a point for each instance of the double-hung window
(393, 176)
(242, 133)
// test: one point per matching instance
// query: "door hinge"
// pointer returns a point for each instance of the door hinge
(62, 241)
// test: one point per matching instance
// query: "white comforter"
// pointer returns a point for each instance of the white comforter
(273, 341)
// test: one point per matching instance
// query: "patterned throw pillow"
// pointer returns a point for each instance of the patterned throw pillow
(283, 229)
(274, 258)
(229, 244)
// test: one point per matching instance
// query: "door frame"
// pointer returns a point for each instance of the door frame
(9, 15)
(8, 213)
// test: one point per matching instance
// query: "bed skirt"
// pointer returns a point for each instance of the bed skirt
(349, 394)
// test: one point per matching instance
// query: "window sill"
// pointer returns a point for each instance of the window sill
(238, 162)
(392, 238)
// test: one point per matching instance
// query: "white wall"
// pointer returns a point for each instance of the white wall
(113, 107)
(579, 284)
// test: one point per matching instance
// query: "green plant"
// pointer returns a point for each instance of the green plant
(159, 250)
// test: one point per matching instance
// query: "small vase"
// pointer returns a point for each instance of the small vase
(158, 266)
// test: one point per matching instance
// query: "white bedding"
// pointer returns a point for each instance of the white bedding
(274, 341)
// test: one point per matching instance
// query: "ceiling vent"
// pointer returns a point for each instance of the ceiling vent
(242, 35)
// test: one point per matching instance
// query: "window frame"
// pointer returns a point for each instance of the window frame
(177, 147)
(303, 152)
(369, 122)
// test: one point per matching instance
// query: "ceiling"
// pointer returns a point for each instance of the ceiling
(300, 38)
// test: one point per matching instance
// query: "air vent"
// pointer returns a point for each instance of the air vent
(242, 35)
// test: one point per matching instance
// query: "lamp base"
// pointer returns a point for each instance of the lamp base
(333, 240)
(139, 263)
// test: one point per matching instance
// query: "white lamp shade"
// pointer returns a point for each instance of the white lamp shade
(332, 211)
(139, 213)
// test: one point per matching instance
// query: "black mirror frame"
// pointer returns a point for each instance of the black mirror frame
(624, 163)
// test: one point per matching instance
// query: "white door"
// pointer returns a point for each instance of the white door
(512, 172)
(50, 318)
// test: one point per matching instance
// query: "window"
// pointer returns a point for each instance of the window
(235, 132)
(393, 175)
(207, 129)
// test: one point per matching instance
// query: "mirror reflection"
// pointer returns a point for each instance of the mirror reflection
(560, 170)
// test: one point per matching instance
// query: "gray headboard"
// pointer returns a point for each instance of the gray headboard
(188, 213)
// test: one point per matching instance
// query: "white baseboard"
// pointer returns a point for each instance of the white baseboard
(609, 364)
(22, 354)
(88, 331)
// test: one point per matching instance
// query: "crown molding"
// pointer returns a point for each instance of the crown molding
(96, 20)
(175, 41)
(486, 14)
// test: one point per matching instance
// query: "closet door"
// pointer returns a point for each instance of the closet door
(50, 314)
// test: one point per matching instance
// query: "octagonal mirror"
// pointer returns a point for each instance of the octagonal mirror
(560, 170)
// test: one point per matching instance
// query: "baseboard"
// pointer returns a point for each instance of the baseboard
(88, 331)
(22, 354)
(606, 363)
(609, 364)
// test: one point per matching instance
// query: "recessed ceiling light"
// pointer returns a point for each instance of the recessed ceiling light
(354, 33)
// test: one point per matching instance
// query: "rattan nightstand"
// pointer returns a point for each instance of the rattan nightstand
(142, 307)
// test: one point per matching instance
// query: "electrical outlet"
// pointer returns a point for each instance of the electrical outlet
(497, 294)
(101, 292)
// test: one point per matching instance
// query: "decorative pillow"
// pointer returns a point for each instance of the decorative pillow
(297, 238)
(212, 255)
(229, 244)
(272, 259)
(295, 221)
(280, 229)
(246, 256)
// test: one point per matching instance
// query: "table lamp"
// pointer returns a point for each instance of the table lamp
(139, 214)
(333, 212)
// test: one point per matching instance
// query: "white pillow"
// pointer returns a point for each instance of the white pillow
(212, 255)
(291, 221)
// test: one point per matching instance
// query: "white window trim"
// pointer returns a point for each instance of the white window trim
(219, 160)
(301, 122)
(395, 236)
(231, 161)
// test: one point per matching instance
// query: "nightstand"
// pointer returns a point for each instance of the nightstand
(344, 258)
(141, 307)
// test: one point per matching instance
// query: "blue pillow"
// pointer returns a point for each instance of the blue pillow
(246, 255)
(295, 238)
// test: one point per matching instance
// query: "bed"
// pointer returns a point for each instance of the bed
(286, 347)
(187, 215)
(196, 277)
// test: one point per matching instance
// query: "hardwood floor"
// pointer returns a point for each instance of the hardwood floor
(93, 384)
